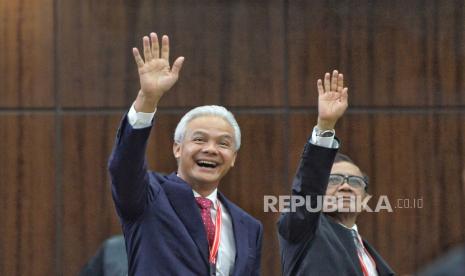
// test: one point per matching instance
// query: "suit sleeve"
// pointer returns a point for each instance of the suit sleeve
(128, 171)
(309, 182)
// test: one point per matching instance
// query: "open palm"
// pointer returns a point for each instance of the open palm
(332, 98)
(155, 75)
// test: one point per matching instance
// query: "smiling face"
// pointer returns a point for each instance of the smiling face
(207, 151)
(345, 192)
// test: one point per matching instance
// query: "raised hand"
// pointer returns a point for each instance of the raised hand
(155, 74)
(332, 100)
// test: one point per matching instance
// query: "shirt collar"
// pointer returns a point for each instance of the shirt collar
(213, 197)
(352, 228)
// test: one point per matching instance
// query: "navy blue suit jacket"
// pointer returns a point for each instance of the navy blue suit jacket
(161, 221)
(312, 243)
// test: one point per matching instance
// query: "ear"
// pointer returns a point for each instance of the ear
(176, 150)
(234, 159)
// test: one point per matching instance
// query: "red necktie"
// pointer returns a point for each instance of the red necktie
(205, 204)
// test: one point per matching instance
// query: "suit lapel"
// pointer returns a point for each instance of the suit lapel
(240, 235)
(182, 199)
(347, 240)
(346, 237)
(381, 265)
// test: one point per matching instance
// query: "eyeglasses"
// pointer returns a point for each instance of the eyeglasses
(354, 181)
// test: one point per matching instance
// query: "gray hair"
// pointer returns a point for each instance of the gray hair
(208, 110)
(340, 157)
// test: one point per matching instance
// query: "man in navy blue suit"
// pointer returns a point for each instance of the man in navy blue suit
(180, 224)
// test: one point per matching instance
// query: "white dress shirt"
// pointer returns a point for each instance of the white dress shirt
(368, 261)
(227, 250)
(327, 142)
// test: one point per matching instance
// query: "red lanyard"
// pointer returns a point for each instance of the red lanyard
(364, 269)
(216, 241)
(360, 257)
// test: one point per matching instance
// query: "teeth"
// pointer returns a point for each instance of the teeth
(207, 163)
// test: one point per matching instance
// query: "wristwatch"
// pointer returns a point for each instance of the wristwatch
(325, 133)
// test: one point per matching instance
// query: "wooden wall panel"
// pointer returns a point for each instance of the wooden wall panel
(26, 54)
(93, 55)
(447, 47)
(109, 78)
(222, 41)
(196, 31)
(254, 75)
(312, 41)
(393, 53)
(27, 195)
(260, 170)
(89, 215)
(227, 47)
(160, 148)
(406, 160)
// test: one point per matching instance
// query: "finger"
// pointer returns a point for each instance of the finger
(344, 95)
(177, 65)
(165, 48)
(327, 83)
(334, 81)
(340, 83)
(147, 51)
(155, 45)
(319, 85)
(137, 57)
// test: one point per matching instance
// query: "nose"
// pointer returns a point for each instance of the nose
(209, 148)
(345, 186)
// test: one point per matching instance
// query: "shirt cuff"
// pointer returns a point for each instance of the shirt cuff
(140, 119)
(326, 142)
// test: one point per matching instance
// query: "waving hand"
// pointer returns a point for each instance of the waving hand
(155, 74)
(332, 100)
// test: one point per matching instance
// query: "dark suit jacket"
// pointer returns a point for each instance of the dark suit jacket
(312, 243)
(451, 264)
(161, 221)
(110, 260)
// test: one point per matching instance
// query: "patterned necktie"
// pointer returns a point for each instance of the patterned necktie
(356, 240)
(361, 254)
(205, 204)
